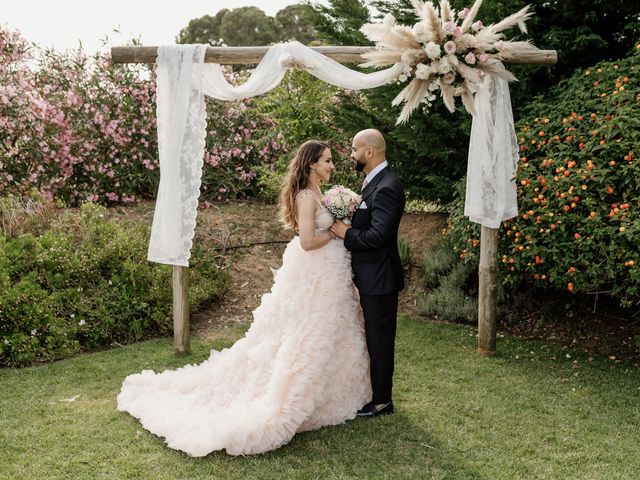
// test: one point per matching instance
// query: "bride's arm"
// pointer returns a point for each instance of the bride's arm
(306, 206)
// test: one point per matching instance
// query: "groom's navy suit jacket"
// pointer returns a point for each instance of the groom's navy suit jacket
(373, 236)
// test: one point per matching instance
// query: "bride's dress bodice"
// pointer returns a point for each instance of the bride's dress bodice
(323, 220)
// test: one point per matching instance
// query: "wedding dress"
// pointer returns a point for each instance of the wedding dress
(301, 365)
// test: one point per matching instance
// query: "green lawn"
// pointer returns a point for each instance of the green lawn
(530, 412)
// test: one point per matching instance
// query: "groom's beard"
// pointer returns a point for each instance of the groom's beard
(359, 167)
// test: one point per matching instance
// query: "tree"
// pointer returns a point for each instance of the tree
(250, 26)
(295, 23)
(203, 30)
(339, 23)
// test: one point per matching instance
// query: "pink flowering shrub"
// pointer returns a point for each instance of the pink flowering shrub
(77, 128)
(238, 141)
(74, 127)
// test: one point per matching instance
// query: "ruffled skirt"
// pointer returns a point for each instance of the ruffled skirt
(301, 365)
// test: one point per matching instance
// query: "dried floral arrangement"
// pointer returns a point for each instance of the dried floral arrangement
(445, 50)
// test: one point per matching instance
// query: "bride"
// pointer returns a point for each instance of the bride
(301, 365)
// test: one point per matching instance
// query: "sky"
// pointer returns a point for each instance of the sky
(61, 24)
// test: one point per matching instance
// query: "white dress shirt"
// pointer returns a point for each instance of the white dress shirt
(374, 172)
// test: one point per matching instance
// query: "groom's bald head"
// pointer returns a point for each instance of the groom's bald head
(368, 150)
(371, 138)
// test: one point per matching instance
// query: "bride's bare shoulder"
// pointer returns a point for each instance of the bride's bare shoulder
(304, 192)
(304, 196)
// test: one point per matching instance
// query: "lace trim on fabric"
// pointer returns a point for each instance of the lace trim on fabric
(181, 121)
(493, 157)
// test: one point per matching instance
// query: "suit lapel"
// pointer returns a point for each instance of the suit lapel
(371, 186)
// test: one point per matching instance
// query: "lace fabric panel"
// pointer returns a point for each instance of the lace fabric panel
(493, 157)
(181, 142)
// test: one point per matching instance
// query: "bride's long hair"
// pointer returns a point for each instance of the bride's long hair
(297, 178)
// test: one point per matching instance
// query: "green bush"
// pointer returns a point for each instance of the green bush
(309, 116)
(63, 292)
(452, 287)
(450, 301)
(578, 189)
(437, 263)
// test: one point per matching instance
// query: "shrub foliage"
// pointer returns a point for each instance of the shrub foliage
(86, 285)
(578, 189)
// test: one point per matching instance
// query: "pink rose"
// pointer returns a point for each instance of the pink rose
(477, 26)
(450, 47)
(470, 58)
(463, 13)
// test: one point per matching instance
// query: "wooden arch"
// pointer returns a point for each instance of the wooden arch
(487, 271)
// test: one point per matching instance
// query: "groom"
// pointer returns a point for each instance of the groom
(372, 239)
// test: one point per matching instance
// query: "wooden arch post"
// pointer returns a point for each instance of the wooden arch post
(251, 55)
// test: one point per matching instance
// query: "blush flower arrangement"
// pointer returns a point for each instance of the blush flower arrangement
(341, 202)
(445, 50)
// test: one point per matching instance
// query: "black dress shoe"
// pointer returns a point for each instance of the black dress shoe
(383, 410)
(365, 411)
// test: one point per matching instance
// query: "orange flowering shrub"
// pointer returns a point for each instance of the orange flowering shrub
(578, 189)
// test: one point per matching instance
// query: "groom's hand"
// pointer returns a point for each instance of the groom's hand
(339, 229)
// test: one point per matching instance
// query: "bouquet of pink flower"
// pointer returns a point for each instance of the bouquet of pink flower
(341, 202)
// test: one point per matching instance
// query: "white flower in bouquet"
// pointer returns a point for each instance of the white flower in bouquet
(444, 66)
(433, 50)
(423, 71)
(448, 27)
(341, 202)
(450, 47)
(477, 26)
(420, 32)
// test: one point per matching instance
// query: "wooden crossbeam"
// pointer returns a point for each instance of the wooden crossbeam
(252, 55)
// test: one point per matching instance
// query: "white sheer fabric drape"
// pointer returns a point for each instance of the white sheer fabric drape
(493, 156)
(181, 140)
(182, 81)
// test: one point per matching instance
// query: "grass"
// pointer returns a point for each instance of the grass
(533, 411)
